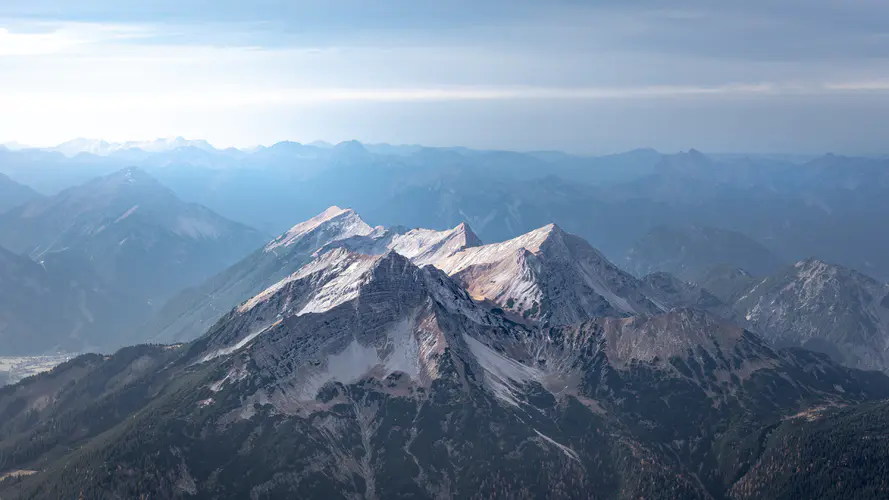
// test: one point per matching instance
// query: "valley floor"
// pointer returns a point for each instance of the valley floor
(15, 368)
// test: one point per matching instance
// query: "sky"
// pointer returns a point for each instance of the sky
(764, 76)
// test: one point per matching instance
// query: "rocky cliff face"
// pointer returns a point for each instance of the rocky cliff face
(825, 308)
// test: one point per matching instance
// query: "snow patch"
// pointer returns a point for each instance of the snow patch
(346, 222)
(127, 213)
(427, 246)
(495, 252)
(196, 228)
(234, 375)
(225, 351)
(345, 367)
(566, 450)
(405, 350)
(342, 273)
(344, 287)
(505, 375)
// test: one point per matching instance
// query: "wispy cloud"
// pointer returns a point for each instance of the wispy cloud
(870, 85)
(226, 98)
(108, 66)
(20, 38)
(245, 97)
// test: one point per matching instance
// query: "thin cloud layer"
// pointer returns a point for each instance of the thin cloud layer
(123, 62)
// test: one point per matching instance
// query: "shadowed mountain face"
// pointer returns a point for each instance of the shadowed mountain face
(365, 375)
(103, 257)
(823, 442)
(687, 252)
(727, 282)
(671, 292)
(57, 307)
(131, 231)
(13, 194)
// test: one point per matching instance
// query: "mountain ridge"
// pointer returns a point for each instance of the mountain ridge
(530, 269)
(130, 233)
(389, 377)
(13, 194)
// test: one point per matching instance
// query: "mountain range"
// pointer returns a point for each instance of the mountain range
(367, 376)
(470, 348)
(545, 276)
(103, 148)
(123, 237)
(550, 277)
(787, 204)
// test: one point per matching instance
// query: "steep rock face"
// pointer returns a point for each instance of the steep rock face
(133, 232)
(365, 376)
(548, 276)
(825, 308)
(347, 316)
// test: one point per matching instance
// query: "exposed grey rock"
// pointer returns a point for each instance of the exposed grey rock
(825, 308)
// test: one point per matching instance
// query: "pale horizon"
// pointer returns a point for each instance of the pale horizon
(585, 79)
(19, 145)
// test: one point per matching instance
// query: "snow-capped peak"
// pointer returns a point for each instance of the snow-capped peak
(337, 275)
(345, 223)
(427, 246)
(92, 146)
(104, 148)
(167, 144)
(547, 274)
(495, 252)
